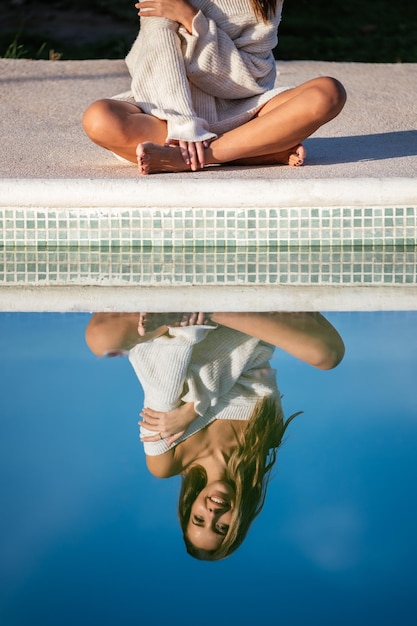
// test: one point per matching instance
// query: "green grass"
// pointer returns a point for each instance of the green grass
(369, 32)
(36, 46)
(350, 30)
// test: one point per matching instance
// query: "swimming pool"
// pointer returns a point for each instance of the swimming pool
(84, 525)
(338, 247)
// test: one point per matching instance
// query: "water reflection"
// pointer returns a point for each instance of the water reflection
(87, 533)
(212, 409)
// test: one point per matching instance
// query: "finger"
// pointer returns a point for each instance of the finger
(183, 145)
(174, 438)
(151, 438)
(200, 153)
(151, 413)
(142, 324)
(207, 318)
(190, 319)
(185, 319)
(153, 427)
(145, 4)
(144, 7)
(201, 318)
(149, 419)
(192, 152)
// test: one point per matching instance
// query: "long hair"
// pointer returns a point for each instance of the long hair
(248, 472)
(264, 9)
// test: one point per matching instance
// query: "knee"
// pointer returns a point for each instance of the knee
(94, 336)
(112, 332)
(329, 98)
(96, 120)
(100, 334)
(336, 93)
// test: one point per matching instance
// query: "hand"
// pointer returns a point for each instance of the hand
(192, 152)
(169, 424)
(176, 10)
(195, 319)
(152, 325)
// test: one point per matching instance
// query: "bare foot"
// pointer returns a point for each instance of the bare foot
(153, 158)
(293, 156)
(148, 322)
(296, 156)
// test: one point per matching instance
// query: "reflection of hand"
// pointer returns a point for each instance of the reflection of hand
(150, 322)
(170, 424)
(195, 319)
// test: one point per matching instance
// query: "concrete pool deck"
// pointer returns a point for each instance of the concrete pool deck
(364, 160)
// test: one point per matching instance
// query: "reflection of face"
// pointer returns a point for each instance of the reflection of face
(211, 514)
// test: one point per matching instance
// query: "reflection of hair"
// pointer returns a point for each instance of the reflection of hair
(248, 471)
(264, 8)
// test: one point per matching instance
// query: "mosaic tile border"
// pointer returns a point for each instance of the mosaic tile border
(204, 228)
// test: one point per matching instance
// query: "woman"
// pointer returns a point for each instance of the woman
(212, 406)
(203, 91)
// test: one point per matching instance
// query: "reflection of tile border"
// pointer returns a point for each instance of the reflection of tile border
(89, 265)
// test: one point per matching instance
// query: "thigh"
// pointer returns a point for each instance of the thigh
(287, 96)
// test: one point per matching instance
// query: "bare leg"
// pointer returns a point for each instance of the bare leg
(112, 333)
(119, 126)
(274, 136)
(307, 336)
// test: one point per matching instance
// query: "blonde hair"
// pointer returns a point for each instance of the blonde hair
(248, 472)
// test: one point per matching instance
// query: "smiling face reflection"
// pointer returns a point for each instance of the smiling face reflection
(211, 515)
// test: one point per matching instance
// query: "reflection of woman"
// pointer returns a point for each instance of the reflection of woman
(212, 407)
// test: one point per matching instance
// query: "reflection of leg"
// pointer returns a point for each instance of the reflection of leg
(112, 332)
(120, 126)
(307, 336)
(148, 322)
(274, 136)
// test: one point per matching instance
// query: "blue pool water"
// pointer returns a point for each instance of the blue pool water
(87, 536)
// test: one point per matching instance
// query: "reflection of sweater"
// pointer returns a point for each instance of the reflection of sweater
(222, 371)
(208, 81)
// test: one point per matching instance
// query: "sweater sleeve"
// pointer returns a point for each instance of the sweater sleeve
(159, 81)
(231, 59)
(161, 365)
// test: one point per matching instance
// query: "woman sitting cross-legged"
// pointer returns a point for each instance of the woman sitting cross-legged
(204, 91)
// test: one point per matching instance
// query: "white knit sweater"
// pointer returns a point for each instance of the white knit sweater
(209, 81)
(222, 371)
